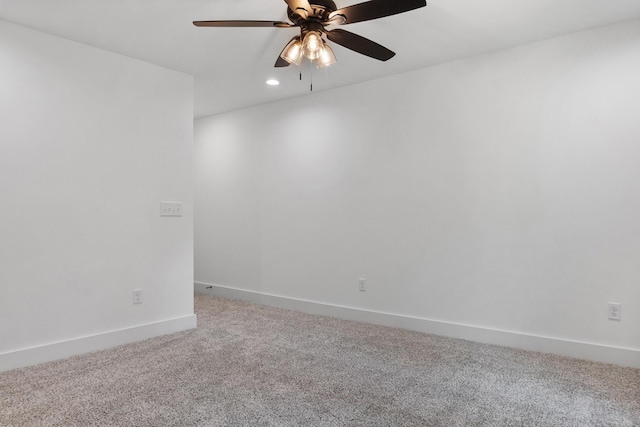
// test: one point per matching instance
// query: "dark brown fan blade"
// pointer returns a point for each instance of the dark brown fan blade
(301, 7)
(376, 9)
(277, 24)
(360, 44)
(281, 63)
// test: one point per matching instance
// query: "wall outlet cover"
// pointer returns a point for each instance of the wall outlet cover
(615, 311)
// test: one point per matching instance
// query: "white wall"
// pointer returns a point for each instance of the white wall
(500, 192)
(90, 143)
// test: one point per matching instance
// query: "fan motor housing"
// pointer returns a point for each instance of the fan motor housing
(320, 10)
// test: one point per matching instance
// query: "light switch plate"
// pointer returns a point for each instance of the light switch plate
(170, 208)
(137, 296)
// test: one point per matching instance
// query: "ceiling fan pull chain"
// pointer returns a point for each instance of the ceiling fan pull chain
(311, 76)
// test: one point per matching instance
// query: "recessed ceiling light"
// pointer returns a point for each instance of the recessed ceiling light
(272, 82)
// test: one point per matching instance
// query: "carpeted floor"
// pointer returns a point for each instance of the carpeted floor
(261, 366)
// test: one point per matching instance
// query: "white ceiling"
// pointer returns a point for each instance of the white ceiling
(230, 65)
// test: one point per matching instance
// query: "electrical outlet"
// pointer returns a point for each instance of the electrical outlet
(137, 296)
(362, 285)
(615, 311)
(170, 209)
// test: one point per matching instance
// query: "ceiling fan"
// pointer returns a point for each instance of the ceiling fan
(312, 16)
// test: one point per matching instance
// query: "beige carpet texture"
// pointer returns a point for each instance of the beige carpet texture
(251, 365)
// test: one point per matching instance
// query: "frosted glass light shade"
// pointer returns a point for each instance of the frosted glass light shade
(326, 57)
(312, 45)
(292, 52)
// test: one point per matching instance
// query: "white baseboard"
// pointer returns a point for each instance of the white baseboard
(580, 350)
(63, 349)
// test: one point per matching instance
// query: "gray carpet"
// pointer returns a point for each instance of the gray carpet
(261, 366)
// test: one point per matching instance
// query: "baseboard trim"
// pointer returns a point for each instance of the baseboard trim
(63, 349)
(580, 350)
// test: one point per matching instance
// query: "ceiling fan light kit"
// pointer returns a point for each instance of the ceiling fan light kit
(312, 18)
(312, 47)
